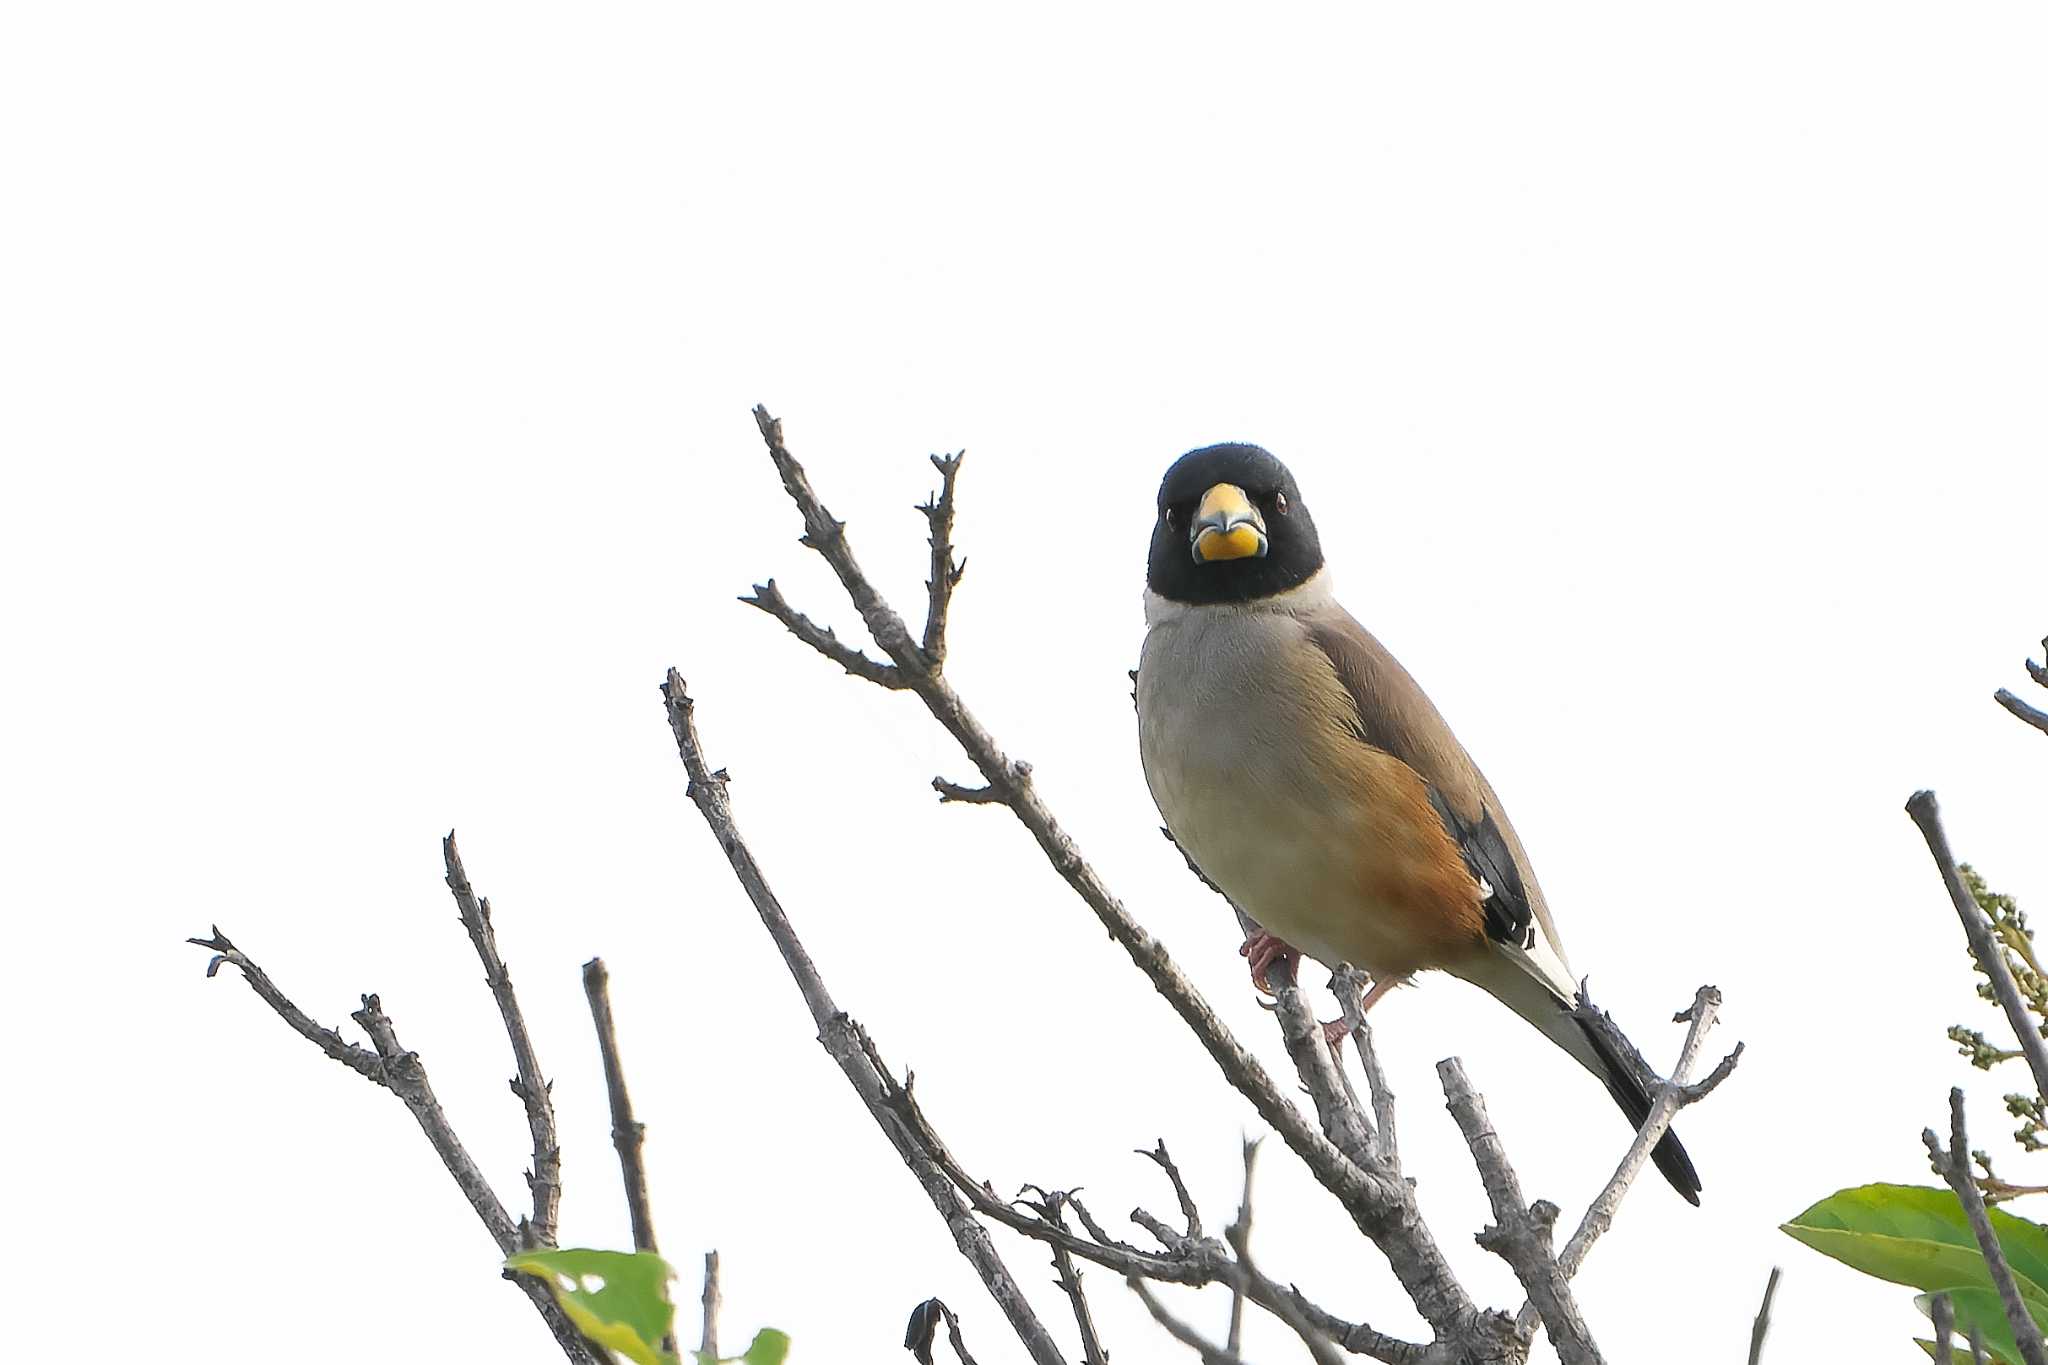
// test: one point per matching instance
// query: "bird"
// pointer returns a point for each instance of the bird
(1310, 780)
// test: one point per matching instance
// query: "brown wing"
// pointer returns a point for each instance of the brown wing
(1396, 716)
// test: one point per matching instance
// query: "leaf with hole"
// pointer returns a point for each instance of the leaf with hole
(619, 1299)
(769, 1347)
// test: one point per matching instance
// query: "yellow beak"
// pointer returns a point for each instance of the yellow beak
(1227, 526)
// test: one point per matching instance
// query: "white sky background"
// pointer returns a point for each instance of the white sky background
(376, 384)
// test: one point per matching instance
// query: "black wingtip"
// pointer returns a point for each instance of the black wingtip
(1626, 1086)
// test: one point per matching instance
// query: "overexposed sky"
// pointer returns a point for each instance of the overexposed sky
(374, 389)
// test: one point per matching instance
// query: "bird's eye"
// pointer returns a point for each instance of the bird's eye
(1280, 504)
(1171, 516)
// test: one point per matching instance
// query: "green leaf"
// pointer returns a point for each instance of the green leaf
(619, 1299)
(1919, 1236)
(769, 1347)
(1983, 1309)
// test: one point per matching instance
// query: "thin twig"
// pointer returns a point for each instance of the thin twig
(2032, 715)
(1241, 1228)
(1070, 1283)
(769, 598)
(843, 1038)
(1998, 1191)
(1239, 1235)
(711, 1300)
(1380, 1203)
(401, 1072)
(953, 1334)
(545, 1179)
(1674, 1095)
(1209, 1351)
(406, 1077)
(1926, 813)
(1762, 1326)
(1158, 1156)
(1943, 1311)
(945, 571)
(1051, 1205)
(971, 796)
(360, 1060)
(628, 1133)
(1343, 1121)
(1186, 1261)
(1348, 983)
(1953, 1166)
(1521, 1232)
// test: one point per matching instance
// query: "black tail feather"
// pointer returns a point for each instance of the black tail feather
(1625, 1083)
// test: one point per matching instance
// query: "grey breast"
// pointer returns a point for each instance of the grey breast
(1223, 736)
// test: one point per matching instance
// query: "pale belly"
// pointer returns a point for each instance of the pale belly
(1223, 748)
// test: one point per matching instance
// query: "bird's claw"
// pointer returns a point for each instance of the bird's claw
(1262, 950)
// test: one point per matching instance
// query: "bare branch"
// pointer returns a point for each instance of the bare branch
(627, 1132)
(1051, 1205)
(402, 1073)
(824, 639)
(1361, 1340)
(545, 1179)
(1187, 1261)
(945, 573)
(827, 535)
(1240, 1230)
(1159, 1158)
(1926, 813)
(843, 1038)
(1239, 1235)
(1521, 1232)
(1348, 983)
(709, 1342)
(406, 1077)
(1762, 1327)
(1379, 1202)
(1209, 1351)
(1997, 1191)
(971, 796)
(1953, 1166)
(357, 1059)
(1943, 1311)
(1070, 1282)
(2032, 715)
(1674, 1095)
(1343, 1121)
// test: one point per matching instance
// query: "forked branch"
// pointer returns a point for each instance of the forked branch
(841, 1036)
(394, 1068)
(2032, 715)
(532, 1089)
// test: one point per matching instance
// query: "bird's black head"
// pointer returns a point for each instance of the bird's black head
(1231, 528)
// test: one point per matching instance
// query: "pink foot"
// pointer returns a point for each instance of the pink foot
(1338, 1029)
(1379, 988)
(1262, 950)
